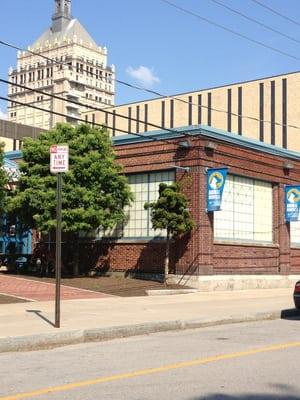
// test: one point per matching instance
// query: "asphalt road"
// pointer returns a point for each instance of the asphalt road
(250, 361)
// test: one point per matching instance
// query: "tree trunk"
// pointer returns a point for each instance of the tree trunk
(167, 258)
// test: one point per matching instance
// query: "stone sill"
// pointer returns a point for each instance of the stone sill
(243, 244)
(131, 241)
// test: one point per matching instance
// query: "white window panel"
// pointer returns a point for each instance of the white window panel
(246, 211)
(263, 212)
(138, 196)
(145, 189)
(295, 233)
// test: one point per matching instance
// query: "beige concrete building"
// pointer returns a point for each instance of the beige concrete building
(12, 133)
(266, 109)
(80, 73)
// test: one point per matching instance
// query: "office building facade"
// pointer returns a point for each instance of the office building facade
(266, 109)
(65, 61)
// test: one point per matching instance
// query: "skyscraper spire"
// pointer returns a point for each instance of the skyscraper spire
(62, 15)
(66, 40)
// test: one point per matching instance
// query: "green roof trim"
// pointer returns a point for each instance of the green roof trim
(193, 131)
(208, 132)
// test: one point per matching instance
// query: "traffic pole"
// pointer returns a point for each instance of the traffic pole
(58, 250)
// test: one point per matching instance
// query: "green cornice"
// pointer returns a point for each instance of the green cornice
(208, 132)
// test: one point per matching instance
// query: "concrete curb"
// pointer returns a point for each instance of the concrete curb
(163, 292)
(56, 339)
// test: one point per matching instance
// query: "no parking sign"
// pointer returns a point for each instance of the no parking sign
(59, 158)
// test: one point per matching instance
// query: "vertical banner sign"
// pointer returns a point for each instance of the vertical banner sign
(59, 163)
(292, 202)
(216, 178)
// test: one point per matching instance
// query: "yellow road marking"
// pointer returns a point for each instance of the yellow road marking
(149, 371)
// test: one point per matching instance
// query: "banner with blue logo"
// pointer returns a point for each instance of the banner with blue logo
(292, 202)
(216, 178)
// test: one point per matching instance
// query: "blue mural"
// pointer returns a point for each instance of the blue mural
(14, 239)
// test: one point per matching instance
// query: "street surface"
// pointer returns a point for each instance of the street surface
(250, 361)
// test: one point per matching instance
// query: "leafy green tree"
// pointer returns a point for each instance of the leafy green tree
(170, 212)
(94, 190)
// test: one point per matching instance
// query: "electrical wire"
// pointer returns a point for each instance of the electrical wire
(63, 63)
(135, 119)
(30, 105)
(151, 139)
(85, 105)
(276, 12)
(241, 35)
(97, 109)
(219, 3)
(171, 97)
(140, 135)
(158, 94)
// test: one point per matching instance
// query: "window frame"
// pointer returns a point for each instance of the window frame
(119, 232)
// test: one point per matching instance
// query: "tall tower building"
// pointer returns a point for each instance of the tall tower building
(82, 76)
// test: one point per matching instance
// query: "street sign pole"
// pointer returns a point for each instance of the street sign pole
(58, 250)
(59, 163)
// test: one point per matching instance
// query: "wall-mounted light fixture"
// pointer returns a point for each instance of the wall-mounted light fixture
(288, 165)
(186, 144)
(187, 169)
(211, 146)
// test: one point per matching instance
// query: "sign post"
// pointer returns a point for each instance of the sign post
(59, 163)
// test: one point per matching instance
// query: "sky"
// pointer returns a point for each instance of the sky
(162, 48)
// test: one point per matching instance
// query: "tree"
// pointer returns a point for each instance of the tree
(170, 212)
(94, 190)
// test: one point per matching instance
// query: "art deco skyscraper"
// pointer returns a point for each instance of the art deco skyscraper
(86, 78)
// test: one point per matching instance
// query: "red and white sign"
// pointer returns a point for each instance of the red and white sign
(59, 158)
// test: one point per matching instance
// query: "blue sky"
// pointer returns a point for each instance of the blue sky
(158, 46)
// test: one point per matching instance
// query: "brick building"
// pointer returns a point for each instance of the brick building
(248, 240)
(249, 237)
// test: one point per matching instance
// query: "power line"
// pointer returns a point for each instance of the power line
(140, 135)
(171, 97)
(241, 35)
(255, 21)
(98, 109)
(142, 121)
(63, 63)
(150, 139)
(86, 105)
(276, 12)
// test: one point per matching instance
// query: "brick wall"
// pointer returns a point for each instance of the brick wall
(295, 261)
(237, 259)
(146, 257)
(197, 253)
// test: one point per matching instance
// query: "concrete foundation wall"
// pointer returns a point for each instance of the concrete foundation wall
(235, 282)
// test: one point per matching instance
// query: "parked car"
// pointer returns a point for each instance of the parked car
(297, 295)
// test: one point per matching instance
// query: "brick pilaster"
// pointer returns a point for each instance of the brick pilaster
(284, 236)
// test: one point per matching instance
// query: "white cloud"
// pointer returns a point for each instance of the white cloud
(143, 75)
(2, 115)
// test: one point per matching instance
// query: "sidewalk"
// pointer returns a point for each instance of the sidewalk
(30, 325)
(42, 291)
